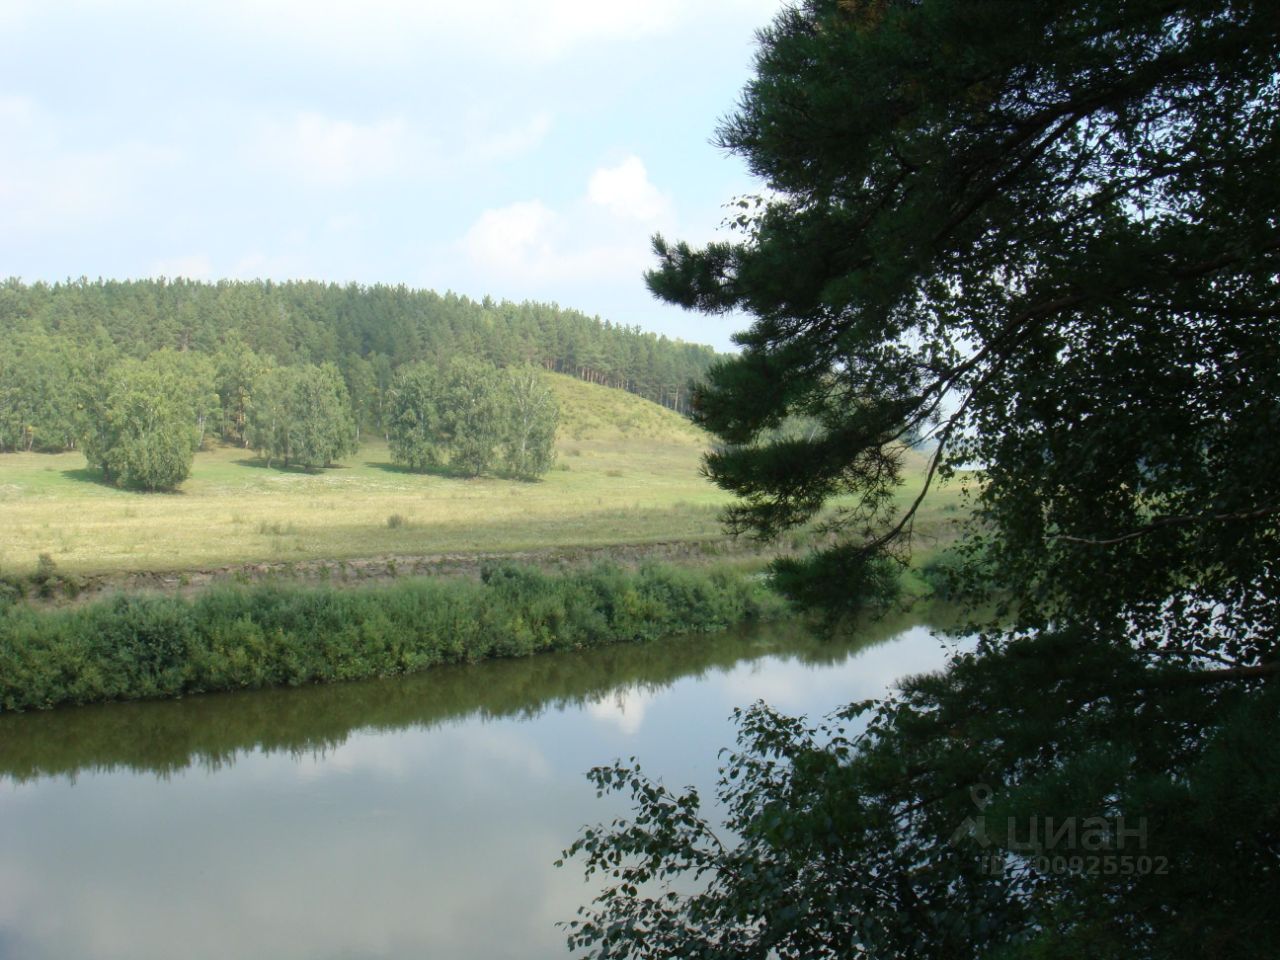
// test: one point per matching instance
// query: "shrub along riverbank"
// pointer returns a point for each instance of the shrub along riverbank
(136, 647)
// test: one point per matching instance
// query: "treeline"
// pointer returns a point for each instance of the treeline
(233, 638)
(474, 418)
(140, 422)
(54, 336)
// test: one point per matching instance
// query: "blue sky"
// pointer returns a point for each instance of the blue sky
(519, 149)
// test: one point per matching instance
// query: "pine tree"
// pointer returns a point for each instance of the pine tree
(1044, 234)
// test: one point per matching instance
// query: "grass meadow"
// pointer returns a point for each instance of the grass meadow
(627, 472)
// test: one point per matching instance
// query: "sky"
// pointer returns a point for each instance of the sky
(524, 149)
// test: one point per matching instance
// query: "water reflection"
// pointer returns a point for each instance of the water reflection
(209, 731)
(407, 818)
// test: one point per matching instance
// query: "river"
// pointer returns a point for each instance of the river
(415, 817)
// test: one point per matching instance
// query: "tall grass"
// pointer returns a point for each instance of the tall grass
(135, 647)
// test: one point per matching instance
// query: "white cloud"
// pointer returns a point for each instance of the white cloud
(519, 138)
(193, 267)
(14, 12)
(603, 236)
(47, 185)
(556, 26)
(517, 239)
(258, 265)
(533, 244)
(326, 151)
(371, 29)
(16, 112)
(625, 191)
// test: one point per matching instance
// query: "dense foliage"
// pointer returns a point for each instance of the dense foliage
(50, 334)
(470, 405)
(472, 417)
(238, 372)
(142, 424)
(1043, 235)
(230, 638)
(39, 381)
(414, 428)
(301, 416)
(531, 415)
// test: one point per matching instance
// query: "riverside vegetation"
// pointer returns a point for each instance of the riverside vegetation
(133, 647)
(238, 636)
(626, 474)
(169, 736)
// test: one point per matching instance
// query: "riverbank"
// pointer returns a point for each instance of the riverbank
(235, 824)
(171, 737)
(49, 585)
(233, 637)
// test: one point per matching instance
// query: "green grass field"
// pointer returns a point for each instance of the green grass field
(627, 473)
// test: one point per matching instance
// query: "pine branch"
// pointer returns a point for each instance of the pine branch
(1165, 522)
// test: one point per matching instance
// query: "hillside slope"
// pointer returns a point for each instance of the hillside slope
(589, 411)
(627, 473)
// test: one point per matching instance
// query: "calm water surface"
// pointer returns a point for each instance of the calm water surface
(405, 818)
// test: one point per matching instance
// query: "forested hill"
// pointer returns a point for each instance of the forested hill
(366, 331)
